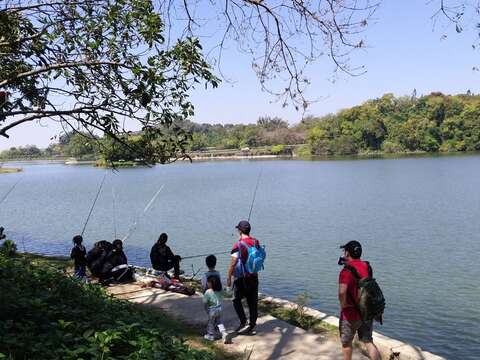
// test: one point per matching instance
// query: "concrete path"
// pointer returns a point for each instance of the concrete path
(275, 338)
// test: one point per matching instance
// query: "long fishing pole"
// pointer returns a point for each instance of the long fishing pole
(255, 193)
(197, 256)
(94, 202)
(147, 207)
(114, 213)
(10, 190)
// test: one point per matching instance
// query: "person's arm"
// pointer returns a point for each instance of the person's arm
(231, 268)
(170, 254)
(342, 295)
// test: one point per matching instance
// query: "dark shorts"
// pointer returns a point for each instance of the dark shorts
(348, 329)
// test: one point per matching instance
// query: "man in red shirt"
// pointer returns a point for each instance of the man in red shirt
(245, 284)
(350, 319)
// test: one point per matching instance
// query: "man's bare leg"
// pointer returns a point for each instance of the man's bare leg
(347, 351)
(373, 353)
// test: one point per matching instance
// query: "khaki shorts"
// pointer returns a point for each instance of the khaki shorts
(348, 329)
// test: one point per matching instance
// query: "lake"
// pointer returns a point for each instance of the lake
(417, 219)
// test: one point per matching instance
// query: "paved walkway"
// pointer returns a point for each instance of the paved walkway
(275, 338)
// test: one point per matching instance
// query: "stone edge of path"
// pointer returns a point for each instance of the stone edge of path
(389, 348)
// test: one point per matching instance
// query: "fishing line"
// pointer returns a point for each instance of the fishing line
(114, 213)
(10, 190)
(94, 202)
(147, 207)
(23, 243)
(255, 194)
(197, 256)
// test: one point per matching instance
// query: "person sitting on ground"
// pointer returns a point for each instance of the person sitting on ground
(212, 299)
(245, 284)
(211, 262)
(115, 266)
(162, 257)
(78, 254)
(96, 257)
(350, 319)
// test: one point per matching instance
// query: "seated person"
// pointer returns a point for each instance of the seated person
(162, 257)
(96, 257)
(115, 266)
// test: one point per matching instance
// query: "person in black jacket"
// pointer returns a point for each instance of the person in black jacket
(96, 257)
(162, 257)
(115, 265)
(78, 254)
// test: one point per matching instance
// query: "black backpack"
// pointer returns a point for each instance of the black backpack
(371, 302)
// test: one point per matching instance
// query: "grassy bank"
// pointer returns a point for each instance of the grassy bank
(9, 170)
(46, 314)
(117, 164)
(297, 316)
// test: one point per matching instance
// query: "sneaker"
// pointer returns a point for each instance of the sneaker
(240, 327)
(250, 330)
(209, 337)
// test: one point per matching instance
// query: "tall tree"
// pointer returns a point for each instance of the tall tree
(95, 65)
(91, 65)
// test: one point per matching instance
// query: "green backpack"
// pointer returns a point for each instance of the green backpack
(370, 302)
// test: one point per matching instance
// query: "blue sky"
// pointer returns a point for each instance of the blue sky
(403, 52)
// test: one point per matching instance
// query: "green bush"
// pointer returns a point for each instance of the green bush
(277, 149)
(304, 150)
(45, 314)
(8, 248)
(392, 147)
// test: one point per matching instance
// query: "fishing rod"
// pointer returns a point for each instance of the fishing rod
(147, 207)
(201, 255)
(114, 213)
(10, 190)
(255, 193)
(94, 202)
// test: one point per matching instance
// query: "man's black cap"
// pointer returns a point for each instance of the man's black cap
(244, 226)
(354, 248)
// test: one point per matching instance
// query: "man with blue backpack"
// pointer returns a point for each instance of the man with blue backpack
(247, 260)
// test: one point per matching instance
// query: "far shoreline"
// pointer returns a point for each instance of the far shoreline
(238, 157)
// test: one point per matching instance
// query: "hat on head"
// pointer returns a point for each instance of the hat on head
(244, 226)
(354, 248)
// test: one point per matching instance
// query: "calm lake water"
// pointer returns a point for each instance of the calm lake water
(417, 218)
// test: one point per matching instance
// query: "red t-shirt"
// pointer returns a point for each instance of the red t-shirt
(247, 242)
(346, 277)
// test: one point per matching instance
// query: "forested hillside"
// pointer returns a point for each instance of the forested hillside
(389, 124)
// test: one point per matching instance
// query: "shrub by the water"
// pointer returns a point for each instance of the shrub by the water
(8, 248)
(45, 314)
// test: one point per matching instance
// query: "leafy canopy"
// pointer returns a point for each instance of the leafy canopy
(95, 66)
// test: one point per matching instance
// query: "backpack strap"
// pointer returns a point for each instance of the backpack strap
(353, 271)
(370, 271)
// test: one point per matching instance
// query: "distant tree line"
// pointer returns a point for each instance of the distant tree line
(268, 131)
(389, 124)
